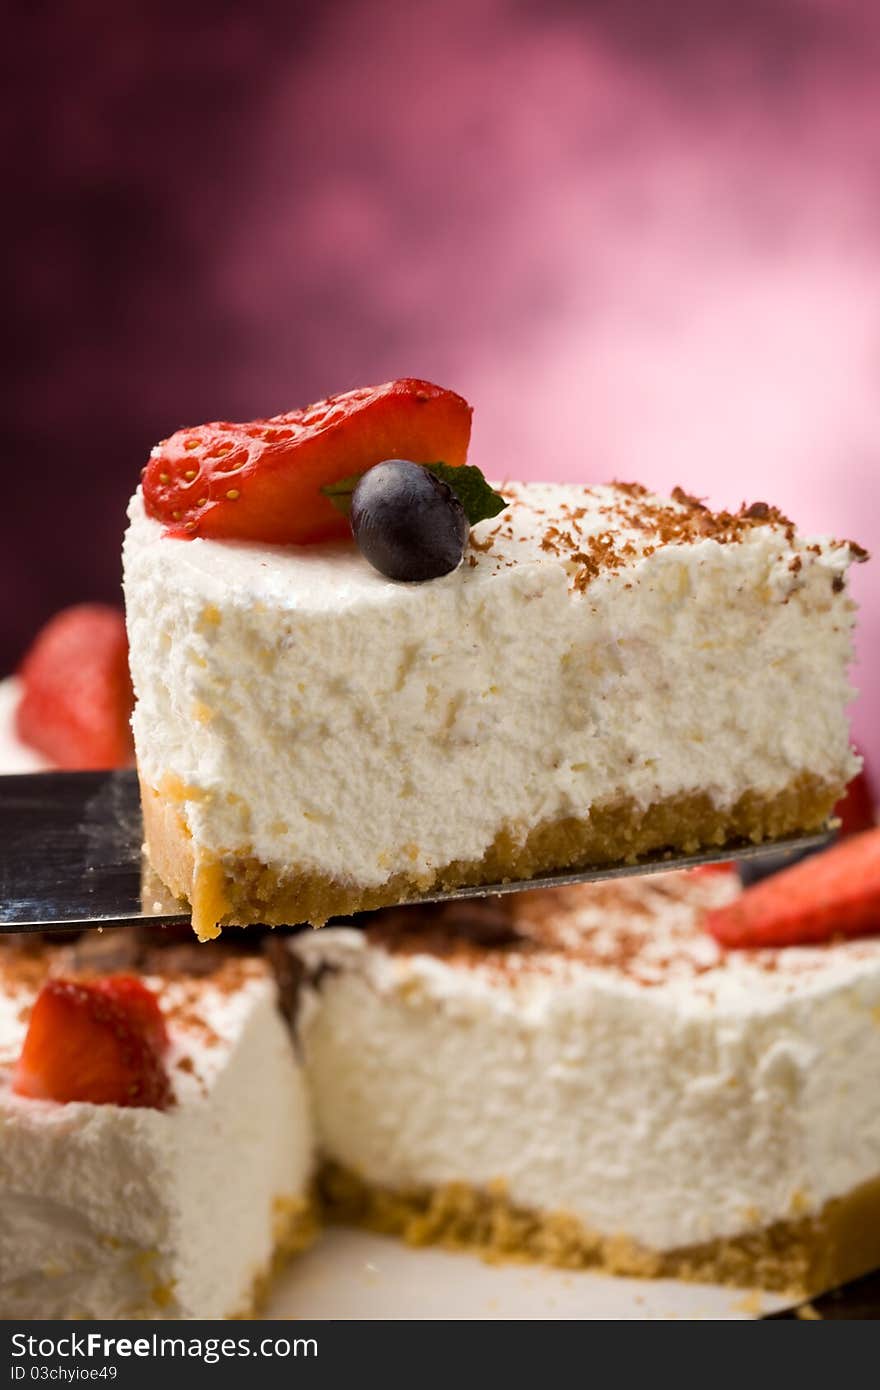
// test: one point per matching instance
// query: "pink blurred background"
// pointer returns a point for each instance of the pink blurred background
(642, 239)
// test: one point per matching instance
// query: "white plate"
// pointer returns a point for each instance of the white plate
(352, 1274)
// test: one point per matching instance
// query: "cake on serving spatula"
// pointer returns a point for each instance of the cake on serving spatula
(572, 675)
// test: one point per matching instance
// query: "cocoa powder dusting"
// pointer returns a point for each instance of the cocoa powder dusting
(684, 520)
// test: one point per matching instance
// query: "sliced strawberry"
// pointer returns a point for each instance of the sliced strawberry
(262, 481)
(723, 866)
(76, 691)
(856, 807)
(92, 1041)
(140, 1003)
(836, 893)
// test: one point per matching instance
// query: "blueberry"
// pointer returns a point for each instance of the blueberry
(408, 523)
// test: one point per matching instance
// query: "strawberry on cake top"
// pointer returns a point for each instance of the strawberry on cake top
(72, 697)
(594, 673)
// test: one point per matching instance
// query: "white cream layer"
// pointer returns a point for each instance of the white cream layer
(329, 719)
(732, 1093)
(114, 1212)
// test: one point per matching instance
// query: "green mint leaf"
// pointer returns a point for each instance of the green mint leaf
(340, 493)
(479, 500)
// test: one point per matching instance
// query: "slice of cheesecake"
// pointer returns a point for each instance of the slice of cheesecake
(175, 1197)
(608, 673)
(584, 1077)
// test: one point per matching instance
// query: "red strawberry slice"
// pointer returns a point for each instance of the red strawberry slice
(93, 1041)
(262, 481)
(836, 893)
(76, 691)
(856, 807)
(140, 1003)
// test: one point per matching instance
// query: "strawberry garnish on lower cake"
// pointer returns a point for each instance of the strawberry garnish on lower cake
(830, 895)
(76, 691)
(262, 481)
(100, 1041)
(856, 808)
(140, 1003)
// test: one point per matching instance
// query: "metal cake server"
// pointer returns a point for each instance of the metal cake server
(71, 856)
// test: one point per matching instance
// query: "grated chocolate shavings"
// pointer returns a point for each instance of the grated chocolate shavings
(636, 524)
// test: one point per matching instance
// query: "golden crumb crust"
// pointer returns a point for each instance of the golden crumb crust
(802, 1256)
(296, 1225)
(235, 889)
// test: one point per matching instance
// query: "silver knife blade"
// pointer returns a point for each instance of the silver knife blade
(71, 855)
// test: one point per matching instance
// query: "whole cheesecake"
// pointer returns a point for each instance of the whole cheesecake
(583, 1076)
(607, 673)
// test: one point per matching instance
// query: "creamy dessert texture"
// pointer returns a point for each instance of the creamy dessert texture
(108, 1211)
(585, 1077)
(607, 673)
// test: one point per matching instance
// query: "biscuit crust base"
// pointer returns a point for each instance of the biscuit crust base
(233, 888)
(802, 1256)
(296, 1225)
